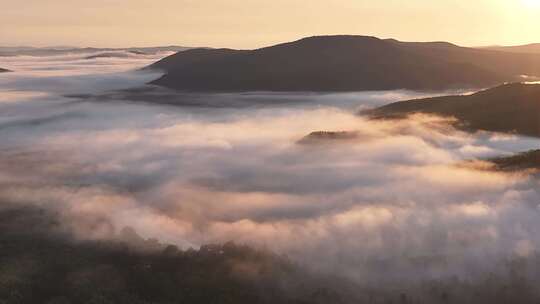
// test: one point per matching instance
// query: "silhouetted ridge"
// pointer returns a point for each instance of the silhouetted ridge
(525, 160)
(533, 48)
(507, 108)
(185, 58)
(109, 55)
(4, 70)
(343, 63)
(319, 136)
(438, 44)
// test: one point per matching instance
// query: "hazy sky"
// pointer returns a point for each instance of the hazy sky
(255, 23)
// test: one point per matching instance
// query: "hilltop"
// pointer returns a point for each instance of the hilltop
(344, 63)
(509, 108)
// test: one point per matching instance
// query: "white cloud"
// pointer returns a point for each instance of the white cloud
(192, 176)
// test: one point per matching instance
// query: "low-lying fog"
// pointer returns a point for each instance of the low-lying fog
(395, 202)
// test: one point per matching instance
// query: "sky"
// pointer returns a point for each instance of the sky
(257, 23)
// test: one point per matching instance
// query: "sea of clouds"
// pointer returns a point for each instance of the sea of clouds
(398, 201)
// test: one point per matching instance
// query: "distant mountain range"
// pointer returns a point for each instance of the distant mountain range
(56, 51)
(533, 48)
(510, 108)
(344, 63)
(116, 54)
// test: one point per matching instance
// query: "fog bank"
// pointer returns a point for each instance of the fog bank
(394, 203)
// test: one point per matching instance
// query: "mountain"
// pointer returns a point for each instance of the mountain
(111, 55)
(344, 63)
(4, 70)
(510, 108)
(188, 57)
(533, 48)
(57, 51)
(328, 136)
(526, 160)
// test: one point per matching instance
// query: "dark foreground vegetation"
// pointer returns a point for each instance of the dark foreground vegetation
(41, 263)
(510, 108)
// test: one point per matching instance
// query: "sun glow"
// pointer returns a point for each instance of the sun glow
(531, 3)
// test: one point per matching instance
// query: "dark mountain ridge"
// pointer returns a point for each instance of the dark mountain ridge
(344, 63)
(533, 48)
(522, 161)
(509, 108)
(180, 60)
(4, 70)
